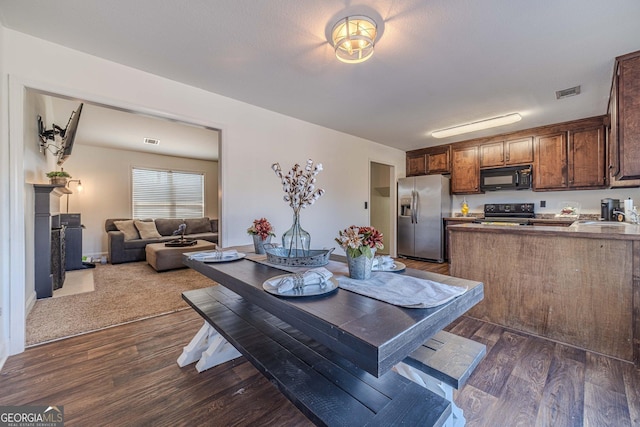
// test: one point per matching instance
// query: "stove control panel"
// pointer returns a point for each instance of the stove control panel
(505, 209)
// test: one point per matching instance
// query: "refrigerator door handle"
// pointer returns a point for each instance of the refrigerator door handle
(416, 202)
(413, 206)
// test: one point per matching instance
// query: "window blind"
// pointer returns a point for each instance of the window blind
(167, 194)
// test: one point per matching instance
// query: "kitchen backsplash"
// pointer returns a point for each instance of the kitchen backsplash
(589, 200)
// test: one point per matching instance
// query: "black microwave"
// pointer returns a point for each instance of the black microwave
(511, 178)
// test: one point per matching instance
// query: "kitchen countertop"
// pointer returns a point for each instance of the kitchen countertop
(580, 228)
(538, 220)
(462, 218)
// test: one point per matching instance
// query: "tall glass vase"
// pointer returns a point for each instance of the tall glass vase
(295, 240)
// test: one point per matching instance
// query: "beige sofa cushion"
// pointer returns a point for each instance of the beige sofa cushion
(128, 228)
(147, 230)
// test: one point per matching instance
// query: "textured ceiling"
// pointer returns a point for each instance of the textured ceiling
(438, 63)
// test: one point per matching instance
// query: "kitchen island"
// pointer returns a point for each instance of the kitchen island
(579, 285)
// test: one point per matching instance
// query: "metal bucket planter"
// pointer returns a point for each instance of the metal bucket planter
(258, 243)
(360, 267)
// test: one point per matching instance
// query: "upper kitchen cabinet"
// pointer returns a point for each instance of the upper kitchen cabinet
(624, 111)
(587, 158)
(573, 159)
(428, 161)
(550, 167)
(506, 153)
(465, 169)
(416, 164)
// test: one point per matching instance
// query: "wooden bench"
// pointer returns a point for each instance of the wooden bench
(326, 387)
(443, 363)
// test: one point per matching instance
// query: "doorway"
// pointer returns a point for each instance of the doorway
(110, 140)
(382, 210)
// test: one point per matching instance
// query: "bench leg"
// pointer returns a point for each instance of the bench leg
(440, 388)
(208, 348)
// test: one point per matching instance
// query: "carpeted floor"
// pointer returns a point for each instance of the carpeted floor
(123, 293)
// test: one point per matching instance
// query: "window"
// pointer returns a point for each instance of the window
(167, 194)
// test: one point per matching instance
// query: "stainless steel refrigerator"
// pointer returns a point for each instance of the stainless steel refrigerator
(423, 202)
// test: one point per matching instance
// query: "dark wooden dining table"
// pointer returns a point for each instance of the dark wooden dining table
(372, 334)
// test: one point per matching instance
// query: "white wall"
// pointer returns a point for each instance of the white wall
(252, 139)
(106, 180)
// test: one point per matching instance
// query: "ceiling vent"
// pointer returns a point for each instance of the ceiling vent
(565, 93)
(152, 141)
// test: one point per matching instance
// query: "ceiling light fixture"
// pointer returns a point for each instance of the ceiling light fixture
(476, 126)
(353, 38)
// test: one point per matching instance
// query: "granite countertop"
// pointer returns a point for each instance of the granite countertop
(582, 228)
(540, 218)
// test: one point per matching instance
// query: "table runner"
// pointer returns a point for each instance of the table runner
(393, 288)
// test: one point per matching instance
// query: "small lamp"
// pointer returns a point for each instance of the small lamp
(79, 187)
(353, 38)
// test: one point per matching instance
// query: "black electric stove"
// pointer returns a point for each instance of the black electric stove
(508, 213)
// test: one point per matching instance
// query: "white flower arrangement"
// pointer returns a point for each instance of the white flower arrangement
(299, 184)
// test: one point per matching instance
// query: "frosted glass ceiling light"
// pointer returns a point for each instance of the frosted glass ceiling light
(353, 38)
(479, 125)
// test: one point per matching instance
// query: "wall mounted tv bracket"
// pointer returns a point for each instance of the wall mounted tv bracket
(49, 135)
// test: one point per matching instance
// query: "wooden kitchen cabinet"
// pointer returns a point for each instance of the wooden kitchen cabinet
(416, 164)
(519, 151)
(438, 160)
(550, 166)
(506, 153)
(624, 111)
(465, 169)
(429, 161)
(587, 158)
(574, 160)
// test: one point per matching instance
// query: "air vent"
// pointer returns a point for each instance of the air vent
(565, 93)
(152, 141)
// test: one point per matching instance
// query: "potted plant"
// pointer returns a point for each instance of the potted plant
(58, 177)
(262, 231)
(360, 244)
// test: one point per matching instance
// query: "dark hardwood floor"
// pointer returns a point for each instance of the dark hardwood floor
(128, 376)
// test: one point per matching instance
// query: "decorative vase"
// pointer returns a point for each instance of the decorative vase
(258, 243)
(295, 240)
(360, 266)
(464, 209)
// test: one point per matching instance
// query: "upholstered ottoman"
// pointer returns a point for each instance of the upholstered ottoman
(163, 258)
